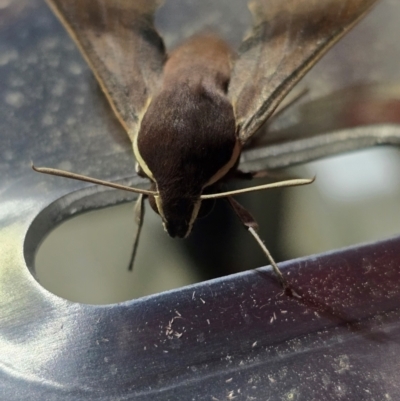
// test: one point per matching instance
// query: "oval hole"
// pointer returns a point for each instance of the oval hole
(355, 199)
(85, 259)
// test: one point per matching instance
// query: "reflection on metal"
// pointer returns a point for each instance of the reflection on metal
(293, 152)
(233, 337)
(354, 118)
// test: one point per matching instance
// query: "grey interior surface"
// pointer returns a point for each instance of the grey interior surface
(232, 337)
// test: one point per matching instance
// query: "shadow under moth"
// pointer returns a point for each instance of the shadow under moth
(189, 113)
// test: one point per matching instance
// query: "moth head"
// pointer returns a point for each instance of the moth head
(177, 215)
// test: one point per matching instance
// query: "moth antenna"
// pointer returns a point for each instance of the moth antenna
(280, 184)
(79, 177)
(138, 211)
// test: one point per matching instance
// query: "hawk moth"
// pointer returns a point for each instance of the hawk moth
(189, 113)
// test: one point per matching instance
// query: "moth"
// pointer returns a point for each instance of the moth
(189, 113)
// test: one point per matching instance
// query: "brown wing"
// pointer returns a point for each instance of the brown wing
(122, 47)
(288, 38)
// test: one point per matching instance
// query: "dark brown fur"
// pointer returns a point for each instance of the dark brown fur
(188, 132)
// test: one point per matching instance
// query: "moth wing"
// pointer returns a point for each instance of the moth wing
(287, 39)
(119, 42)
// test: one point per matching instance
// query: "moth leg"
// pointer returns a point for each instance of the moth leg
(248, 221)
(138, 212)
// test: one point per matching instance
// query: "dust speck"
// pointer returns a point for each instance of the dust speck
(340, 390)
(47, 120)
(71, 121)
(59, 88)
(15, 99)
(75, 69)
(342, 364)
(291, 395)
(49, 43)
(7, 56)
(65, 165)
(200, 337)
(79, 100)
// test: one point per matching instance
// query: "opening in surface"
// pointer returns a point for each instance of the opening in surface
(85, 259)
(355, 199)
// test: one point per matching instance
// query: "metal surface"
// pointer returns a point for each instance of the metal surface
(233, 337)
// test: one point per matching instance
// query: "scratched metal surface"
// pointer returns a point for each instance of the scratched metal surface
(232, 338)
